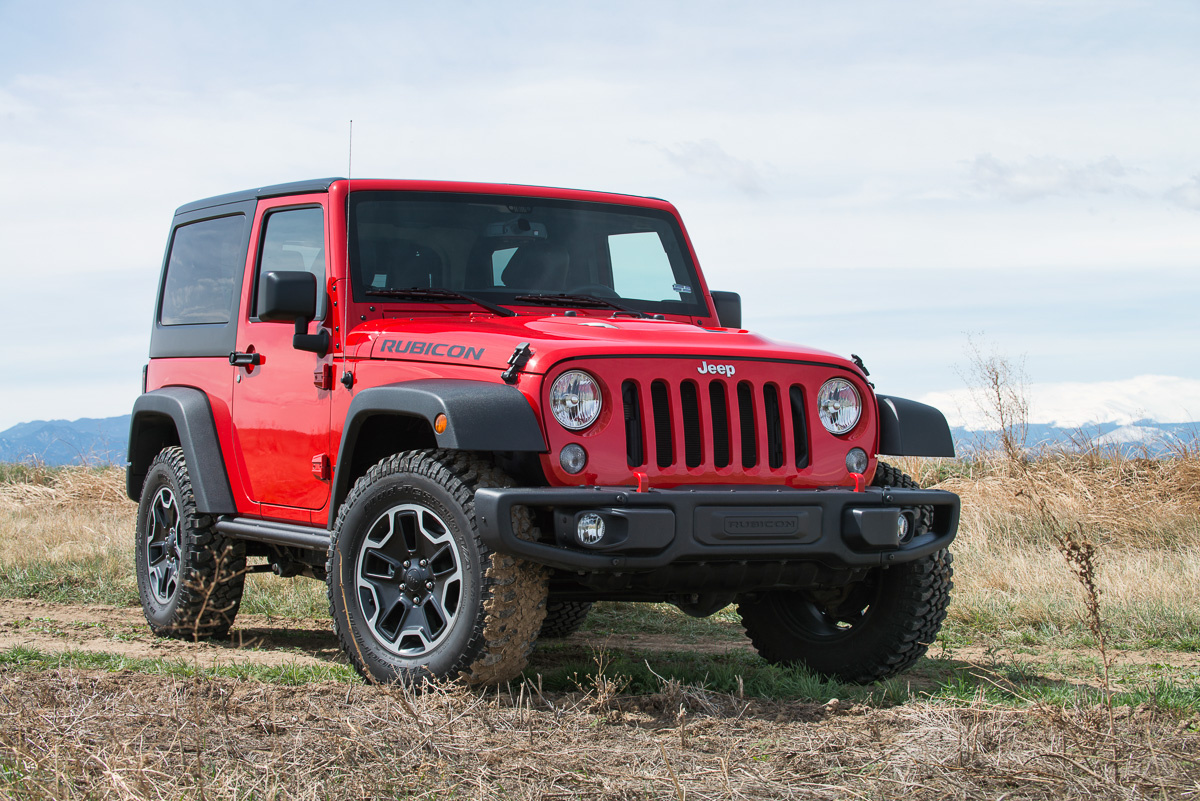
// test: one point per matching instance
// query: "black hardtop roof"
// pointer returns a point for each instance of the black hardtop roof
(310, 186)
(276, 190)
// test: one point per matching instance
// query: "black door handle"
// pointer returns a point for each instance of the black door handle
(244, 359)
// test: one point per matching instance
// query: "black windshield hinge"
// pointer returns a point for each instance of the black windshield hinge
(515, 362)
(859, 362)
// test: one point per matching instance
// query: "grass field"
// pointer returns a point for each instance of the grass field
(645, 702)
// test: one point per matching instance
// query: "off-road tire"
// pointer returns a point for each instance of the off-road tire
(190, 578)
(564, 618)
(487, 636)
(880, 628)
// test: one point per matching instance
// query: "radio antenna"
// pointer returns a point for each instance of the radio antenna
(349, 165)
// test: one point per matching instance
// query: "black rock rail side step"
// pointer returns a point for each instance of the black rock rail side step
(315, 539)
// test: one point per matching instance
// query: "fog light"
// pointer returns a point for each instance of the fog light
(856, 461)
(573, 458)
(590, 529)
(902, 527)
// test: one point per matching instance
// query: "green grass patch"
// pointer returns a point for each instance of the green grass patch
(295, 598)
(98, 579)
(22, 658)
(653, 620)
(1129, 626)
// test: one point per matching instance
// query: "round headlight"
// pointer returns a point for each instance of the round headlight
(838, 405)
(575, 400)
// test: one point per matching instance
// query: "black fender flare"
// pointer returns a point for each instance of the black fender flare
(908, 428)
(480, 416)
(186, 410)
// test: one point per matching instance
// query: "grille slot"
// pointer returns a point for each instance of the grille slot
(774, 426)
(693, 451)
(799, 425)
(635, 450)
(720, 423)
(664, 445)
(745, 394)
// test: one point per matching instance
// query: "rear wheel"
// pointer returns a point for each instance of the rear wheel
(413, 591)
(190, 578)
(862, 632)
(564, 618)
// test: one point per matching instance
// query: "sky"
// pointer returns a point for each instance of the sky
(896, 180)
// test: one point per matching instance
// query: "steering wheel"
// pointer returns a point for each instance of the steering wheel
(599, 290)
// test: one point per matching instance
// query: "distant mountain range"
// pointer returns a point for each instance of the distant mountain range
(58, 442)
(103, 440)
(1140, 438)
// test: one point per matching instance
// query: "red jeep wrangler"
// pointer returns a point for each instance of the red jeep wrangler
(473, 410)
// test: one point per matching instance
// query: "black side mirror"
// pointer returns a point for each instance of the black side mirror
(729, 308)
(292, 295)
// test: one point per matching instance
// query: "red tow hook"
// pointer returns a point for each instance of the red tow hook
(643, 482)
(860, 481)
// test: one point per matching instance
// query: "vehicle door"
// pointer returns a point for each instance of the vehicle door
(280, 402)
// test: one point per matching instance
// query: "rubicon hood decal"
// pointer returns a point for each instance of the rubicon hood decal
(442, 349)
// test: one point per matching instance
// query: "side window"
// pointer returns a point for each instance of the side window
(641, 268)
(202, 272)
(293, 240)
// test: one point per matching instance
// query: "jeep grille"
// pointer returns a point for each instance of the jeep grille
(702, 410)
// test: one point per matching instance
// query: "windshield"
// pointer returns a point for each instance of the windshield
(512, 249)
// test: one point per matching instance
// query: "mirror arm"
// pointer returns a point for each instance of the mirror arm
(317, 343)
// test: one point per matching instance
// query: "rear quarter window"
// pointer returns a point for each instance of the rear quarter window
(202, 272)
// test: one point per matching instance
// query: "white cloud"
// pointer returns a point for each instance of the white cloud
(1039, 177)
(1070, 404)
(709, 160)
(1186, 194)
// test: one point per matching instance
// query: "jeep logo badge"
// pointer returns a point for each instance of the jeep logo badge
(715, 369)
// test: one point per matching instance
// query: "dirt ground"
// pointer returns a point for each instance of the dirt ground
(262, 640)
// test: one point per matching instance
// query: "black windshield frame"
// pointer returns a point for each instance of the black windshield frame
(455, 238)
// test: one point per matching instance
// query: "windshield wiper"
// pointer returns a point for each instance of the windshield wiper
(547, 299)
(419, 293)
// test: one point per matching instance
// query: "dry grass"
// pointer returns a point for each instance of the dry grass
(65, 514)
(1142, 515)
(75, 735)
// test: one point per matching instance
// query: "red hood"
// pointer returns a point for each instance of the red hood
(484, 340)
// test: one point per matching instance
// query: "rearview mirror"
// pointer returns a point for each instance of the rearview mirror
(729, 308)
(292, 295)
(288, 296)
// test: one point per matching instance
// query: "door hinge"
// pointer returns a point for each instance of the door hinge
(321, 466)
(323, 376)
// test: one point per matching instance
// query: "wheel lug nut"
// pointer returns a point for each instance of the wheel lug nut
(423, 563)
(407, 563)
(429, 585)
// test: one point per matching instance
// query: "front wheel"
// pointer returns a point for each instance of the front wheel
(866, 631)
(413, 591)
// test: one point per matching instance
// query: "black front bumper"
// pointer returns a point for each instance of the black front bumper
(649, 530)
